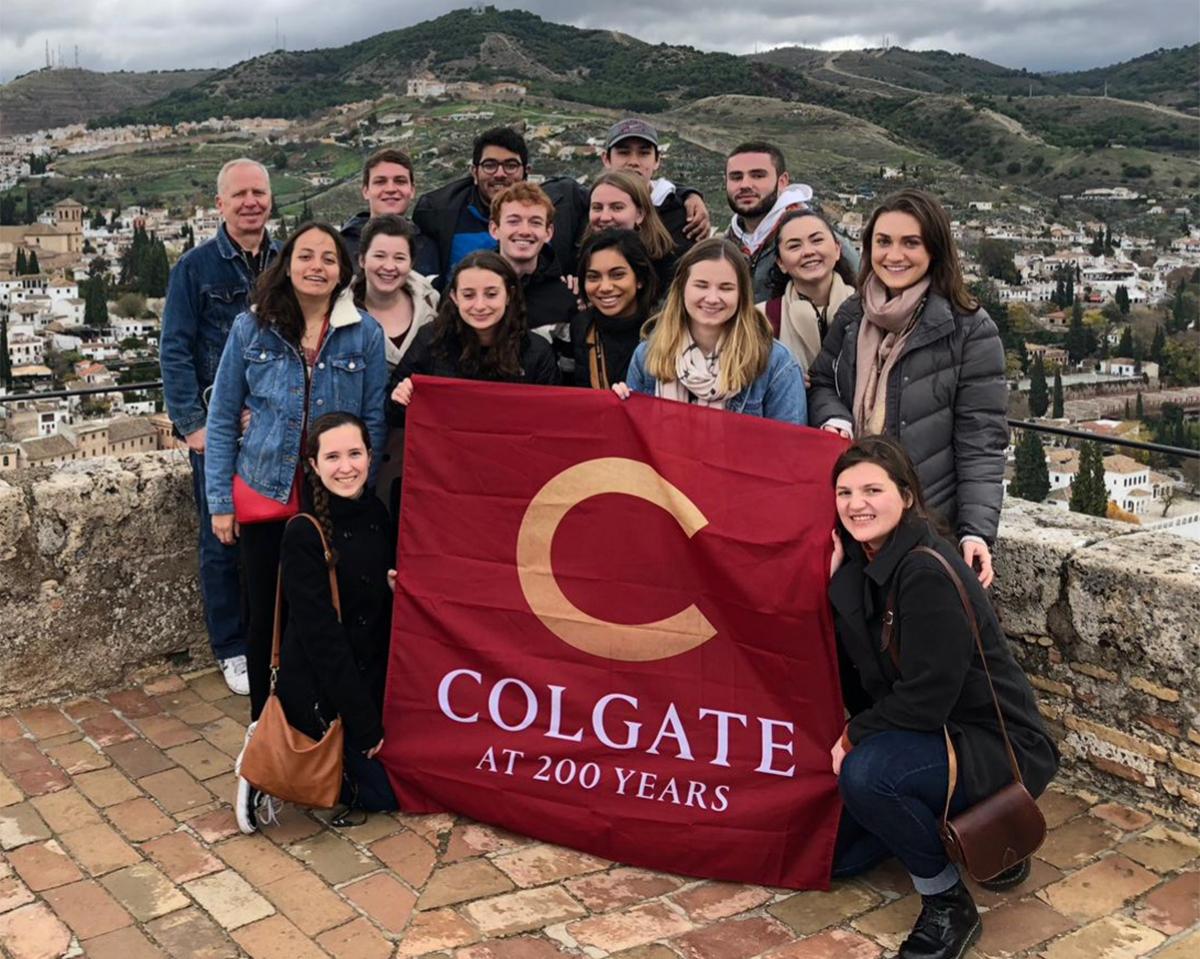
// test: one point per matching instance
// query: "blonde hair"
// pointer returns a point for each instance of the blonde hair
(655, 237)
(747, 339)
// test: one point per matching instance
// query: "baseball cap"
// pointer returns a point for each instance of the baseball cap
(627, 129)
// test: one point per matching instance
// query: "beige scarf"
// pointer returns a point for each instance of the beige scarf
(799, 326)
(696, 378)
(886, 326)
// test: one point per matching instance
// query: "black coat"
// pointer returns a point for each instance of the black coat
(328, 668)
(538, 364)
(941, 679)
(618, 338)
(436, 214)
(424, 258)
(946, 404)
(548, 301)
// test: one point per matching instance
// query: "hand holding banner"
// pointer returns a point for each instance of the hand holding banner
(611, 629)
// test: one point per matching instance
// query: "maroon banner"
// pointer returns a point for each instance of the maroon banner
(611, 630)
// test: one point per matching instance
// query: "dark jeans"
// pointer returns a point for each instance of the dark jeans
(220, 583)
(260, 571)
(365, 784)
(893, 787)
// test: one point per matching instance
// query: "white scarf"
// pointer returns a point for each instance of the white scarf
(799, 329)
(795, 194)
(696, 378)
(660, 189)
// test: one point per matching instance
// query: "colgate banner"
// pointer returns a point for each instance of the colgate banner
(611, 629)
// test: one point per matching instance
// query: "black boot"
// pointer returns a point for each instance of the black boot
(948, 924)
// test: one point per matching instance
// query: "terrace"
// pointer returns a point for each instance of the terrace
(116, 763)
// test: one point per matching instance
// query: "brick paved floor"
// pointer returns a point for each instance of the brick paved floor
(118, 841)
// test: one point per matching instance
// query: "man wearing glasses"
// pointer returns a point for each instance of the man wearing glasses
(457, 216)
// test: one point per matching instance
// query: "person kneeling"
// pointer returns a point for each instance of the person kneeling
(915, 677)
(333, 668)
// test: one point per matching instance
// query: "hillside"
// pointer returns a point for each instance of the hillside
(1165, 77)
(53, 98)
(588, 66)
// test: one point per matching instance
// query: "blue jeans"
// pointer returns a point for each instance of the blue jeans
(220, 582)
(893, 788)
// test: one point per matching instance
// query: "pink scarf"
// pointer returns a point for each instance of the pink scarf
(887, 324)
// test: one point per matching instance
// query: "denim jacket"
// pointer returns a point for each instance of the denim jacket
(208, 288)
(778, 394)
(263, 372)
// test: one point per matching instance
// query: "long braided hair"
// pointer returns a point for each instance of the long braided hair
(320, 495)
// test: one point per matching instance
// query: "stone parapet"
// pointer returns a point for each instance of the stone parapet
(98, 585)
(97, 575)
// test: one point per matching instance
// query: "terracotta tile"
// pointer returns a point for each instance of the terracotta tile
(226, 734)
(1099, 889)
(210, 686)
(13, 894)
(831, 944)
(408, 855)
(83, 708)
(809, 912)
(710, 901)
(1113, 937)
(435, 930)
(175, 790)
(133, 703)
(216, 825)
(138, 758)
(1173, 907)
(190, 934)
(384, 899)
(10, 729)
(257, 859)
(33, 932)
(478, 839)
(463, 881)
(1161, 849)
(334, 859)
(181, 857)
(166, 731)
(618, 930)
(139, 819)
(276, 938)
(229, 899)
(144, 891)
(10, 795)
(538, 864)
(355, 940)
(44, 865)
(890, 924)
(620, 887)
(1124, 818)
(66, 809)
(163, 685)
(294, 824)
(1041, 874)
(308, 902)
(105, 729)
(524, 947)
(733, 939)
(106, 787)
(78, 757)
(88, 909)
(1078, 842)
(45, 722)
(126, 943)
(98, 849)
(1020, 925)
(20, 824)
(1059, 806)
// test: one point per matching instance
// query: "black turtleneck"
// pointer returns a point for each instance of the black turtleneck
(619, 337)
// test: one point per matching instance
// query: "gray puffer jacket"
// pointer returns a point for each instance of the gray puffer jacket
(946, 403)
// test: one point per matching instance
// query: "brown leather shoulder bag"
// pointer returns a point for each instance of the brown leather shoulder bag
(280, 760)
(1005, 828)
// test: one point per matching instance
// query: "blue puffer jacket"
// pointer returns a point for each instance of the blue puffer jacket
(777, 394)
(264, 373)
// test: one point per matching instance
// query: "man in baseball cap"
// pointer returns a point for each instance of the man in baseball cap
(632, 145)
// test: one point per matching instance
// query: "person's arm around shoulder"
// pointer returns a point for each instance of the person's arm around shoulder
(826, 409)
(177, 358)
(784, 399)
(935, 648)
(980, 433)
(313, 623)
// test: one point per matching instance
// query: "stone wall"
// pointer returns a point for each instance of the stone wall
(98, 582)
(97, 574)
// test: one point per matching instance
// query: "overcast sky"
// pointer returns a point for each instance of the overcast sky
(165, 34)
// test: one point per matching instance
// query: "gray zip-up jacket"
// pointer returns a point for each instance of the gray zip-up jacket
(946, 404)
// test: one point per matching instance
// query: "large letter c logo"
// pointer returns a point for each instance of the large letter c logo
(638, 642)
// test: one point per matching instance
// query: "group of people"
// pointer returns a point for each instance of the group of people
(287, 370)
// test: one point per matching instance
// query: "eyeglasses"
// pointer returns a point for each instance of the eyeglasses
(508, 166)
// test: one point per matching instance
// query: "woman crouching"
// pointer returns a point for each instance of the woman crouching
(907, 681)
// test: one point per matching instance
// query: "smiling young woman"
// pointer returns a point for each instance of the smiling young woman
(913, 356)
(711, 347)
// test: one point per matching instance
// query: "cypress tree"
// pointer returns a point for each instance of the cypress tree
(1140, 410)
(1088, 493)
(21, 265)
(1057, 400)
(1077, 339)
(1125, 347)
(33, 267)
(5, 362)
(1039, 398)
(1032, 478)
(95, 309)
(1127, 410)
(1159, 345)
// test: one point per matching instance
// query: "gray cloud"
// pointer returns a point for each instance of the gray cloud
(1037, 34)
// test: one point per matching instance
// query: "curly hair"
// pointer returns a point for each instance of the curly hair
(274, 299)
(455, 340)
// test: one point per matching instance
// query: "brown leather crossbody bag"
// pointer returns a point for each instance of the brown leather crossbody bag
(280, 760)
(1005, 828)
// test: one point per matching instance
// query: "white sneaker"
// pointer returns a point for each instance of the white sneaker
(236, 677)
(246, 802)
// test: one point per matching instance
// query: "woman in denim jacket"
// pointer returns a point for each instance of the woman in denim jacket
(302, 350)
(711, 347)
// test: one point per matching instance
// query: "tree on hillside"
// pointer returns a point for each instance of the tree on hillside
(1125, 346)
(996, 258)
(1089, 495)
(1039, 400)
(1077, 337)
(1057, 396)
(21, 264)
(95, 302)
(33, 267)
(1122, 298)
(1158, 345)
(1140, 408)
(1032, 477)
(5, 363)
(8, 210)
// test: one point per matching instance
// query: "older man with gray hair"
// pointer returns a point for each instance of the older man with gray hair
(209, 287)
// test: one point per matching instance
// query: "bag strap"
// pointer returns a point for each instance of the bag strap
(277, 630)
(968, 608)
